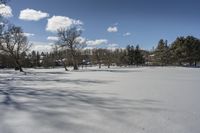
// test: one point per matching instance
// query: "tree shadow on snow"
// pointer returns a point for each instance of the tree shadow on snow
(62, 109)
(65, 109)
(110, 70)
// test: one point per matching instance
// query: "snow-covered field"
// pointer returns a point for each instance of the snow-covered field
(118, 100)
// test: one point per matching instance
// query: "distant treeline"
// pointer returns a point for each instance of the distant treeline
(183, 51)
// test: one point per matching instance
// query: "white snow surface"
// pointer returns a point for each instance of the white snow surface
(116, 100)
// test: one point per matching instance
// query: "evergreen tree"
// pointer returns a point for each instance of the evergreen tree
(186, 50)
(162, 53)
(130, 54)
(138, 57)
(192, 45)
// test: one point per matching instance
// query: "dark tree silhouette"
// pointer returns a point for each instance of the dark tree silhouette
(138, 56)
(186, 50)
(130, 53)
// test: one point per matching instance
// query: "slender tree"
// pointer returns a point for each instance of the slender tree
(130, 53)
(138, 56)
(98, 55)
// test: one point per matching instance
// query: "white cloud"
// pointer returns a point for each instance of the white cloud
(113, 46)
(96, 42)
(29, 34)
(41, 47)
(81, 40)
(32, 15)
(57, 22)
(127, 34)
(52, 38)
(5, 10)
(112, 29)
(88, 48)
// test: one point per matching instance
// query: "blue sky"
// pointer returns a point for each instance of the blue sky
(141, 22)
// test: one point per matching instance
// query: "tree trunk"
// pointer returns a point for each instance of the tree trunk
(73, 54)
(180, 63)
(75, 66)
(195, 63)
(65, 66)
(75, 63)
(19, 66)
(190, 63)
(20, 69)
(108, 65)
(99, 65)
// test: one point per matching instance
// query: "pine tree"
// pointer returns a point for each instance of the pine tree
(130, 54)
(138, 57)
(162, 53)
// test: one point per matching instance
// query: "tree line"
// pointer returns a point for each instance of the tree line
(183, 51)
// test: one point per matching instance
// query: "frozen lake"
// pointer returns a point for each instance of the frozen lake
(118, 100)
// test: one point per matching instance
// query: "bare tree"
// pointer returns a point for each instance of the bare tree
(70, 39)
(14, 43)
(108, 57)
(61, 55)
(98, 56)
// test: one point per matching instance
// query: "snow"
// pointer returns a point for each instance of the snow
(92, 100)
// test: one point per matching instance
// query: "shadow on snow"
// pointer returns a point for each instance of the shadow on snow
(63, 108)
